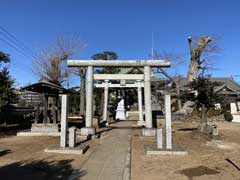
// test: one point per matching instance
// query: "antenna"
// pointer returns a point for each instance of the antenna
(152, 45)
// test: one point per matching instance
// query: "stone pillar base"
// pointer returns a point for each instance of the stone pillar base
(45, 128)
(88, 131)
(149, 132)
(141, 123)
(103, 123)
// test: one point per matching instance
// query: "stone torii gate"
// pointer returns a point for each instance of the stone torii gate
(106, 85)
(90, 64)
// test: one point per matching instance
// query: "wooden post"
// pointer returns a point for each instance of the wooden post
(45, 109)
(54, 111)
(37, 114)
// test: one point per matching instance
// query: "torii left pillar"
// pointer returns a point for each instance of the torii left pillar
(89, 129)
(140, 109)
(105, 107)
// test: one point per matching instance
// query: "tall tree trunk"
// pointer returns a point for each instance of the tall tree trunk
(82, 73)
(82, 96)
(203, 123)
(179, 102)
(193, 70)
(195, 62)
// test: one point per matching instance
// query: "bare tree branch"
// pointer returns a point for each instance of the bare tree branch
(51, 62)
(176, 60)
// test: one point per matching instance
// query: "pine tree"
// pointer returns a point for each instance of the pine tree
(105, 56)
(205, 96)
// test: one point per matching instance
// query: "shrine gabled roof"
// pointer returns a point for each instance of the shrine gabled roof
(45, 86)
(131, 70)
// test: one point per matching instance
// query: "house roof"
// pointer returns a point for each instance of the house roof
(228, 82)
(228, 85)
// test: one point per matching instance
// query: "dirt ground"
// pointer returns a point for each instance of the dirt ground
(24, 158)
(206, 159)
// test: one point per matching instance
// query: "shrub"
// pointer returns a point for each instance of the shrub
(228, 116)
(196, 111)
(213, 112)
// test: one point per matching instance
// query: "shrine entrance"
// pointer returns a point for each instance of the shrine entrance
(145, 78)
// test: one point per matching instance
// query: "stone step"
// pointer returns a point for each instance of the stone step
(132, 115)
(236, 118)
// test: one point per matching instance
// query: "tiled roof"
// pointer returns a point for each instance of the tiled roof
(225, 81)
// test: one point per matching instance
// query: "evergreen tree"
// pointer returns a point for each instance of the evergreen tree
(205, 96)
(106, 55)
(99, 93)
(7, 94)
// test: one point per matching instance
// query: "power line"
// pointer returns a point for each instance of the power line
(16, 41)
(12, 46)
(12, 43)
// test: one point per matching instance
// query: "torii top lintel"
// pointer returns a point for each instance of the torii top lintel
(118, 63)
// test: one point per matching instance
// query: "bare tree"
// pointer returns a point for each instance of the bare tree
(81, 72)
(203, 54)
(202, 50)
(51, 62)
(176, 60)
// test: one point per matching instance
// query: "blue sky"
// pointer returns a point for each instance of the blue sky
(122, 26)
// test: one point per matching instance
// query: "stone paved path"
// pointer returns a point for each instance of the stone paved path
(110, 160)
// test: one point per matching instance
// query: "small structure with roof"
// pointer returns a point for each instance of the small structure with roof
(47, 113)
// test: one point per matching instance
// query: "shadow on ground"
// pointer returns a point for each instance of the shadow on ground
(198, 171)
(39, 170)
(187, 129)
(4, 152)
(12, 129)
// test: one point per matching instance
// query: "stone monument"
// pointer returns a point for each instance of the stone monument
(160, 148)
(121, 112)
(67, 146)
(235, 113)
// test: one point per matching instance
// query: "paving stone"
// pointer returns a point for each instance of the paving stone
(108, 161)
